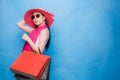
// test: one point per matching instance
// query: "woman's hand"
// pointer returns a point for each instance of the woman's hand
(25, 37)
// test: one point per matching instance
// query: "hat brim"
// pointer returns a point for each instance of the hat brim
(28, 20)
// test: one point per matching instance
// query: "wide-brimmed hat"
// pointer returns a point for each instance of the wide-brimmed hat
(28, 20)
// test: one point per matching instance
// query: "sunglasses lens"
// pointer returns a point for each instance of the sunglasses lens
(33, 17)
(37, 16)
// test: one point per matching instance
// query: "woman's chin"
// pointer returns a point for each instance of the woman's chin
(37, 24)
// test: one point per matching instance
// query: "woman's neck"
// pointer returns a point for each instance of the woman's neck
(41, 24)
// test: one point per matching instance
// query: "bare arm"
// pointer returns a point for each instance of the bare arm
(22, 26)
(43, 38)
(33, 46)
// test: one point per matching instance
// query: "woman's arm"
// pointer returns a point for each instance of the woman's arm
(33, 46)
(22, 26)
(43, 38)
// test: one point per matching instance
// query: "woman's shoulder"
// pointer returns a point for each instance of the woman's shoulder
(45, 31)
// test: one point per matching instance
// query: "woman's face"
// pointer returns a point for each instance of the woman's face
(38, 18)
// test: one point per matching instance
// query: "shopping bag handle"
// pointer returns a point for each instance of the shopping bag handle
(39, 50)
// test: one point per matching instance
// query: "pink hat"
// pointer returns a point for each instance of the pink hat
(29, 21)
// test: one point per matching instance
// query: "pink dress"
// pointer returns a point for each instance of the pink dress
(33, 35)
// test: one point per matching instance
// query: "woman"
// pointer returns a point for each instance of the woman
(39, 22)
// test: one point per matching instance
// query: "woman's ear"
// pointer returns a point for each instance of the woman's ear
(44, 17)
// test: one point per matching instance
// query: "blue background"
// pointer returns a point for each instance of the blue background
(85, 38)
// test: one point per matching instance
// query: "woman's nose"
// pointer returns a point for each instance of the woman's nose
(35, 18)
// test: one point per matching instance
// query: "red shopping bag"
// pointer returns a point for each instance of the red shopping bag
(30, 64)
